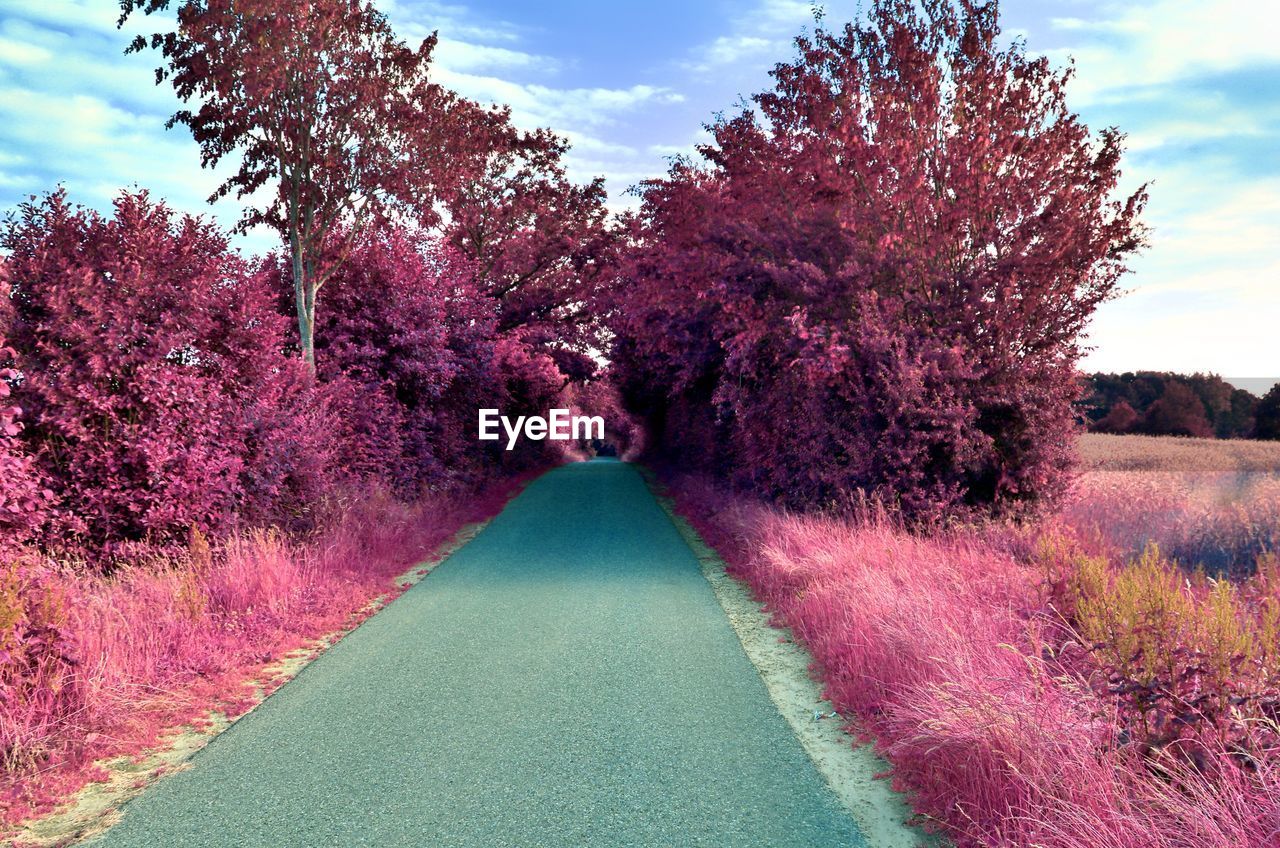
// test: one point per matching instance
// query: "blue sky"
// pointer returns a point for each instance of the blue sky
(1194, 85)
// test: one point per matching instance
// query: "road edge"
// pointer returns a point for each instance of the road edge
(95, 808)
(851, 769)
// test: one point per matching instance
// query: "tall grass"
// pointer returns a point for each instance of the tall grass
(1032, 687)
(1220, 521)
(94, 666)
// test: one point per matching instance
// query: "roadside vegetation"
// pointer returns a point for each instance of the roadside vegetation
(1086, 681)
(853, 323)
(98, 667)
(208, 459)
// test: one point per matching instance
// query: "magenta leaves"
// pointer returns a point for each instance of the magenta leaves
(877, 279)
(149, 354)
(23, 498)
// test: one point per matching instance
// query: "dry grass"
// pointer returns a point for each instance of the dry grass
(95, 667)
(964, 659)
(1204, 502)
(1070, 684)
(1102, 452)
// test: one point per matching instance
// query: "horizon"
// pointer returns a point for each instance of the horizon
(629, 91)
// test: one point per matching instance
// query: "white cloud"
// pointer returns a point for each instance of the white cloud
(70, 15)
(565, 109)
(760, 36)
(465, 56)
(1154, 43)
(19, 53)
(416, 19)
(582, 115)
(1206, 294)
(463, 45)
(488, 60)
(729, 49)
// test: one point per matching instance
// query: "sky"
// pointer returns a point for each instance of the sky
(1194, 85)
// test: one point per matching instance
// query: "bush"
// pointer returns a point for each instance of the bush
(835, 300)
(401, 326)
(155, 392)
(38, 683)
(1186, 660)
(1119, 419)
(1177, 412)
(23, 498)
(407, 350)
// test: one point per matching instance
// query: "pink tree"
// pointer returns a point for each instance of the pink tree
(1177, 412)
(335, 120)
(1119, 419)
(879, 278)
(539, 245)
(542, 253)
(155, 392)
(407, 344)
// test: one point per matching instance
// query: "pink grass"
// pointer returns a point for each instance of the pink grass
(943, 649)
(1222, 520)
(100, 667)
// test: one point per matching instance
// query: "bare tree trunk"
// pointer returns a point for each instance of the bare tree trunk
(304, 301)
(304, 296)
(307, 326)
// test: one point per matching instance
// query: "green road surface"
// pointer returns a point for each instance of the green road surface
(566, 679)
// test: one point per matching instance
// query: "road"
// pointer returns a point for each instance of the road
(565, 679)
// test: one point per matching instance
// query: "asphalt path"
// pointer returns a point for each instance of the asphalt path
(565, 679)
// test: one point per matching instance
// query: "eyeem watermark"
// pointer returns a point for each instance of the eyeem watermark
(560, 426)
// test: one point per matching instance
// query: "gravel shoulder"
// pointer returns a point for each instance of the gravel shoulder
(851, 768)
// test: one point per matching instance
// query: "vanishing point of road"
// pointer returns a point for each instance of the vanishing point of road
(567, 678)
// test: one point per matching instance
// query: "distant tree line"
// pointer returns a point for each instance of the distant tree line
(1166, 404)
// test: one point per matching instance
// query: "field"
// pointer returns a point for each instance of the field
(1082, 682)
(1101, 452)
(1207, 504)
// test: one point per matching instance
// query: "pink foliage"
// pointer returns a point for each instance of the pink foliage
(403, 345)
(540, 246)
(865, 284)
(408, 349)
(624, 434)
(161, 404)
(154, 383)
(945, 649)
(23, 498)
(97, 666)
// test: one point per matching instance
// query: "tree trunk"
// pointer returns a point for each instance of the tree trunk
(304, 301)
(304, 296)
